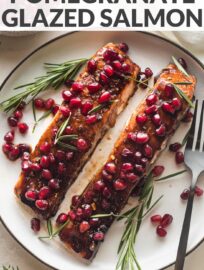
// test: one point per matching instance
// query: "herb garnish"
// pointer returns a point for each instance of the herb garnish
(101, 106)
(10, 267)
(170, 175)
(179, 66)
(45, 115)
(55, 76)
(51, 232)
(183, 95)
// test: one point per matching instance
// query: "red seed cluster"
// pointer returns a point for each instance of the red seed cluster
(162, 223)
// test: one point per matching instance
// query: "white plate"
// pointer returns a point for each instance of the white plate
(152, 252)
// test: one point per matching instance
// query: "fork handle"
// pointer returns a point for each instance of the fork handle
(181, 253)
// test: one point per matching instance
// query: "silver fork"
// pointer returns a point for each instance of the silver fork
(194, 160)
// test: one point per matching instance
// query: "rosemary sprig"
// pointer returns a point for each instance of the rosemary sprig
(51, 233)
(183, 95)
(179, 66)
(101, 106)
(45, 115)
(170, 175)
(55, 76)
(183, 83)
(10, 267)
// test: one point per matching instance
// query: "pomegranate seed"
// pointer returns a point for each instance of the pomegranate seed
(169, 90)
(99, 185)
(188, 117)
(182, 63)
(25, 156)
(35, 224)
(75, 102)
(91, 66)
(72, 215)
(7, 147)
(148, 72)
(14, 153)
(49, 103)
(23, 128)
(69, 156)
(94, 87)
(12, 121)
(60, 155)
(156, 119)
(69, 130)
(84, 226)
(66, 95)
(142, 137)
(174, 147)
(176, 103)
(198, 191)
(54, 184)
(46, 174)
(41, 204)
(168, 108)
(123, 47)
(144, 161)
(51, 158)
(18, 114)
(55, 109)
(26, 166)
(156, 219)
(23, 147)
(110, 167)
(105, 97)
(127, 154)
(91, 119)
(157, 170)
(61, 168)
(98, 236)
(106, 176)
(21, 106)
(179, 157)
(35, 167)
(126, 68)
(132, 136)
(103, 78)
(62, 218)
(44, 162)
(88, 196)
(185, 194)
(69, 83)
(86, 107)
(77, 87)
(121, 58)
(151, 99)
(119, 185)
(132, 178)
(166, 220)
(39, 103)
(9, 136)
(138, 156)
(148, 151)
(65, 111)
(108, 70)
(87, 210)
(79, 214)
(107, 193)
(117, 65)
(161, 131)
(139, 168)
(75, 200)
(151, 110)
(44, 193)
(161, 232)
(31, 195)
(127, 167)
(141, 118)
(45, 147)
(82, 145)
(110, 55)
(94, 222)
(105, 204)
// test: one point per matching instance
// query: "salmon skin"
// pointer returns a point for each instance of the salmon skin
(95, 99)
(144, 137)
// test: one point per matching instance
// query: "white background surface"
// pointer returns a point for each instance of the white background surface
(12, 50)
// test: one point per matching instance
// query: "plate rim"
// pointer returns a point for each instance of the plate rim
(43, 46)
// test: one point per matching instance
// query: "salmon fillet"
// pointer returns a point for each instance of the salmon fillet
(146, 134)
(95, 101)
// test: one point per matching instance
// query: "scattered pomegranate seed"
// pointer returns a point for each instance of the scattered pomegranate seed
(23, 128)
(9, 136)
(168, 108)
(7, 147)
(176, 103)
(75, 102)
(182, 62)
(91, 66)
(44, 193)
(14, 153)
(35, 224)
(123, 47)
(82, 145)
(46, 174)
(86, 107)
(174, 147)
(39, 103)
(25, 156)
(148, 72)
(161, 232)
(151, 110)
(127, 167)
(12, 121)
(49, 103)
(188, 117)
(110, 55)
(23, 147)
(44, 162)
(21, 106)
(105, 97)
(108, 70)
(156, 219)
(64, 110)
(55, 109)
(119, 185)
(198, 191)
(166, 220)
(142, 137)
(54, 184)
(18, 114)
(157, 170)
(185, 194)
(94, 87)
(156, 119)
(62, 218)
(110, 167)
(103, 78)
(72, 215)
(99, 185)
(77, 87)
(169, 90)
(41, 204)
(66, 95)
(45, 147)
(161, 131)
(31, 195)
(91, 119)
(141, 118)
(117, 65)
(151, 99)
(179, 157)
(98, 236)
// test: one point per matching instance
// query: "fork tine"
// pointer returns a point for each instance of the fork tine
(190, 140)
(201, 129)
(199, 125)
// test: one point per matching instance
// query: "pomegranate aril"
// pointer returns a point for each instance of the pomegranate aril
(88, 196)
(21, 106)
(139, 168)
(54, 184)
(39, 103)
(168, 108)
(14, 153)
(60, 155)
(84, 226)
(106, 176)
(185, 194)
(45, 147)
(25, 156)
(55, 109)
(82, 145)
(148, 72)
(105, 97)
(141, 118)
(103, 78)
(94, 222)
(91, 66)
(35, 224)
(91, 119)
(110, 167)
(35, 167)
(138, 156)
(156, 119)
(156, 219)
(169, 90)
(151, 99)
(148, 151)
(72, 215)
(99, 185)
(69, 155)
(64, 110)
(61, 169)
(62, 218)
(86, 107)
(18, 114)
(26, 166)
(44, 162)
(174, 147)
(31, 195)
(179, 157)
(132, 178)
(198, 191)
(44, 193)
(98, 236)
(12, 121)
(110, 55)
(77, 87)
(7, 147)
(166, 220)
(157, 170)
(75, 200)
(151, 109)
(94, 87)
(9, 136)
(41, 204)
(117, 65)
(46, 174)
(107, 193)
(23, 147)
(51, 158)
(69, 82)
(182, 63)
(68, 130)
(123, 47)
(119, 185)
(161, 232)
(66, 95)
(87, 210)
(176, 103)
(75, 102)
(161, 131)
(127, 154)
(23, 128)
(188, 117)
(108, 70)
(142, 137)
(49, 103)
(127, 167)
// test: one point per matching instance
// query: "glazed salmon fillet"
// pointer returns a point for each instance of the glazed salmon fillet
(91, 106)
(138, 146)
